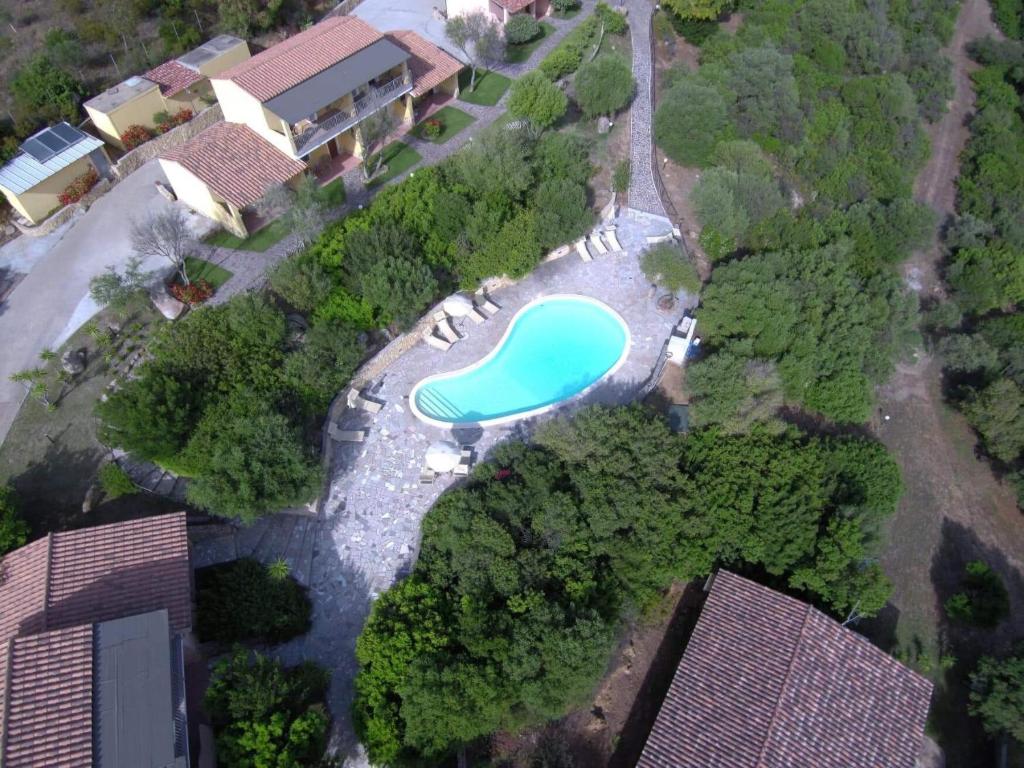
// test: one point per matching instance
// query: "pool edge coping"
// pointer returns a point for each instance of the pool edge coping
(484, 423)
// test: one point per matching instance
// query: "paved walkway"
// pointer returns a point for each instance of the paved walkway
(643, 194)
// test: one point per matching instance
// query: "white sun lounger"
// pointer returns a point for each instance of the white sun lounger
(613, 241)
(440, 316)
(437, 343)
(427, 476)
(447, 332)
(595, 240)
(356, 400)
(476, 315)
(346, 435)
(461, 470)
(581, 249)
(489, 306)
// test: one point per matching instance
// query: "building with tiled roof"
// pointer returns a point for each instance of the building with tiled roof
(766, 681)
(91, 626)
(179, 84)
(501, 10)
(305, 99)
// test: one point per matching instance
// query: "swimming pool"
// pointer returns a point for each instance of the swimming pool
(554, 348)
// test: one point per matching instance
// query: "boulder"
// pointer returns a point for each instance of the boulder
(166, 191)
(603, 125)
(73, 361)
(167, 305)
(91, 497)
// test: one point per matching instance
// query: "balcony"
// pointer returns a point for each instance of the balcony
(341, 120)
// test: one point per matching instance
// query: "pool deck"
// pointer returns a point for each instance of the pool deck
(371, 519)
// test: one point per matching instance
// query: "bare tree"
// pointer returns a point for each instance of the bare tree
(302, 210)
(166, 235)
(375, 130)
(477, 35)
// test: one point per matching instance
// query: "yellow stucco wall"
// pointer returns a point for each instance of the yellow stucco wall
(196, 195)
(226, 60)
(137, 111)
(36, 203)
(241, 107)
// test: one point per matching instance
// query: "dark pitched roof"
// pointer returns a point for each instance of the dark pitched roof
(301, 56)
(766, 681)
(235, 162)
(172, 77)
(429, 65)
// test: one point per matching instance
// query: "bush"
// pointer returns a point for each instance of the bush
(521, 28)
(242, 601)
(13, 529)
(620, 176)
(44, 93)
(983, 600)
(614, 22)
(535, 97)
(694, 31)
(78, 188)
(134, 136)
(196, 292)
(302, 282)
(604, 86)
(666, 265)
(432, 128)
(115, 482)
(997, 694)
(690, 120)
(565, 6)
(560, 62)
(166, 122)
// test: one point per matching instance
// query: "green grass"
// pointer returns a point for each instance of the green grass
(490, 87)
(198, 269)
(452, 121)
(260, 240)
(333, 195)
(398, 157)
(516, 54)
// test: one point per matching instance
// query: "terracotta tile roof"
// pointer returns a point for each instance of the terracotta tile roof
(235, 162)
(172, 77)
(766, 681)
(49, 700)
(301, 56)
(430, 66)
(514, 6)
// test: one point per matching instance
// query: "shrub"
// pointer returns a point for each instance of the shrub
(78, 188)
(604, 86)
(620, 176)
(134, 136)
(997, 694)
(115, 482)
(244, 600)
(565, 6)
(13, 529)
(614, 22)
(690, 120)
(694, 31)
(983, 600)
(561, 62)
(432, 128)
(302, 282)
(196, 292)
(166, 121)
(521, 28)
(666, 265)
(535, 97)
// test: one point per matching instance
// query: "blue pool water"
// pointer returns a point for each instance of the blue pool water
(554, 348)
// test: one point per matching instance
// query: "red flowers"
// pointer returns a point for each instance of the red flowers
(76, 190)
(432, 128)
(134, 135)
(180, 117)
(194, 293)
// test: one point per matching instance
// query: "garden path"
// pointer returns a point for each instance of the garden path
(643, 194)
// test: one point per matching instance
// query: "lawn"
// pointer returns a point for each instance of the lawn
(332, 194)
(398, 157)
(516, 54)
(490, 87)
(452, 121)
(198, 269)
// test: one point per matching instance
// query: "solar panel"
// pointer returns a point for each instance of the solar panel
(48, 143)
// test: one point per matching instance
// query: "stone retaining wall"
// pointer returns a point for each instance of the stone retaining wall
(66, 213)
(141, 155)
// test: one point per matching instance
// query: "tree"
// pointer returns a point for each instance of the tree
(604, 86)
(982, 600)
(301, 210)
(118, 290)
(34, 382)
(521, 28)
(329, 355)
(13, 528)
(986, 278)
(477, 35)
(699, 9)
(562, 211)
(496, 165)
(732, 202)
(302, 282)
(63, 48)
(166, 235)
(667, 266)
(766, 96)
(243, 17)
(535, 97)
(690, 120)
(44, 93)
(997, 694)
(374, 132)
(997, 412)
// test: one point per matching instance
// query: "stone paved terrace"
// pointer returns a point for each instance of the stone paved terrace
(371, 529)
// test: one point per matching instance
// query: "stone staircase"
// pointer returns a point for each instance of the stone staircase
(152, 478)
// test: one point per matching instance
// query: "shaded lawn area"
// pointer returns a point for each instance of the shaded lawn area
(517, 54)
(52, 457)
(198, 269)
(398, 157)
(452, 121)
(332, 194)
(490, 87)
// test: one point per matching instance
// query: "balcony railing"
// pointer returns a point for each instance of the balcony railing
(328, 127)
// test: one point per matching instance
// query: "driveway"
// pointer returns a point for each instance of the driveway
(52, 301)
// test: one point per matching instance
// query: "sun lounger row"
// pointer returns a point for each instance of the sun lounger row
(429, 475)
(355, 399)
(443, 334)
(346, 435)
(601, 241)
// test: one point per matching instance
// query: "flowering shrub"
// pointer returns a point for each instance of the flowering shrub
(134, 135)
(165, 122)
(432, 128)
(76, 190)
(194, 293)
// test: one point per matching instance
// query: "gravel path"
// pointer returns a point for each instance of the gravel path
(643, 194)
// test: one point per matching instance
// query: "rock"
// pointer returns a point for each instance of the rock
(9, 230)
(114, 326)
(73, 361)
(168, 306)
(91, 497)
(166, 191)
(603, 125)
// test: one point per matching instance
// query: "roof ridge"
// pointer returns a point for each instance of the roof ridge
(46, 579)
(808, 610)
